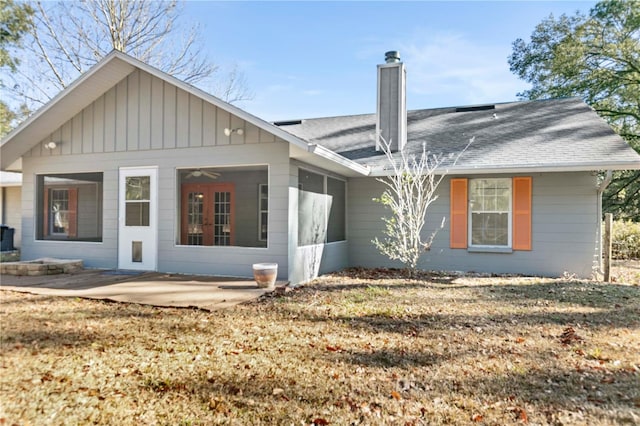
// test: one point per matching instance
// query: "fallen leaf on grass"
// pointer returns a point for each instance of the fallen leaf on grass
(334, 348)
(569, 336)
(476, 418)
(520, 414)
(395, 395)
(46, 377)
(520, 340)
(218, 405)
(320, 422)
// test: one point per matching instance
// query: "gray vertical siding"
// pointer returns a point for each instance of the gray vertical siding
(564, 223)
(144, 121)
(144, 113)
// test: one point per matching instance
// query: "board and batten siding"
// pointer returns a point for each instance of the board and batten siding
(143, 112)
(564, 229)
(144, 121)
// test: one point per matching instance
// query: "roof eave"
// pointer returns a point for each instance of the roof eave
(339, 159)
(62, 107)
(529, 168)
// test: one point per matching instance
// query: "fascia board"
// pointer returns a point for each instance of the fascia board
(515, 169)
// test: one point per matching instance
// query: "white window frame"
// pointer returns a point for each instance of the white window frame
(509, 218)
(261, 211)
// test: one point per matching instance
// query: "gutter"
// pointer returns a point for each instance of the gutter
(601, 188)
(527, 168)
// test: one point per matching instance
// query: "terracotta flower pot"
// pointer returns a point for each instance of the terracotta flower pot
(265, 274)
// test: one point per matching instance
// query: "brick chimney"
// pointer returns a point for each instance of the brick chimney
(391, 113)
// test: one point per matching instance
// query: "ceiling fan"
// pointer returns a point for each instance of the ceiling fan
(199, 172)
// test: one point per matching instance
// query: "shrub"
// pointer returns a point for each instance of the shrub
(626, 240)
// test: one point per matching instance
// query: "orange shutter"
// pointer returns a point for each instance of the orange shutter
(522, 213)
(72, 232)
(45, 212)
(458, 213)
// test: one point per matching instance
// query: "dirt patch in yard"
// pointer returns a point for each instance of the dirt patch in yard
(362, 347)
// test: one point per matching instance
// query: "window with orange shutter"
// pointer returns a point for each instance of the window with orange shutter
(491, 213)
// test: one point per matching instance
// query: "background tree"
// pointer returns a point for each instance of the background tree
(67, 38)
(409, 191)
(595, 57)
(15, 21)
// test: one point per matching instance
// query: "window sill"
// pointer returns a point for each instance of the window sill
(505, 250)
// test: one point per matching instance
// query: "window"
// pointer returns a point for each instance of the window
(219, 206)
(490, 212)
(69, 207)
(138, 200)
(321, 209)
(263, 211)
(59, 211)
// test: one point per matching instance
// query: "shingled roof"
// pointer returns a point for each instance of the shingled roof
(548, 135)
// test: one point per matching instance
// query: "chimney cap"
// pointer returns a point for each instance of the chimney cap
(392, 56)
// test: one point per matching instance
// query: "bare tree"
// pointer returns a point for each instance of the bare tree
(410, 190)
(69, 37)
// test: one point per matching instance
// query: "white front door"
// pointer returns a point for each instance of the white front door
(138, 219)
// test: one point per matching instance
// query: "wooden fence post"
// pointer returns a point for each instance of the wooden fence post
(608, 228)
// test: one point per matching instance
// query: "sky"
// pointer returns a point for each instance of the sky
(316, 59)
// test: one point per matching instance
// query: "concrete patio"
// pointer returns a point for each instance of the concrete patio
(148, 288)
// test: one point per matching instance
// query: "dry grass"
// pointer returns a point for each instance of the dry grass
(360, 349)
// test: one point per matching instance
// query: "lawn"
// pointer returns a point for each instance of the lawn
(360, 348)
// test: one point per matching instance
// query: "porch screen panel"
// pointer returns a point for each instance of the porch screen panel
(312, 208)
(336, 205)
(69, 207)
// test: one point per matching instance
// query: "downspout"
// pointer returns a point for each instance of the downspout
(601, 188)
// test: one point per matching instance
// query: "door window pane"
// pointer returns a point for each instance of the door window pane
(138, 188)
(137, 213)
(138, 194)
(195, 217)
(222, 219)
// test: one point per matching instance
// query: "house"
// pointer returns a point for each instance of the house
(10, 203)
(131, 168)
